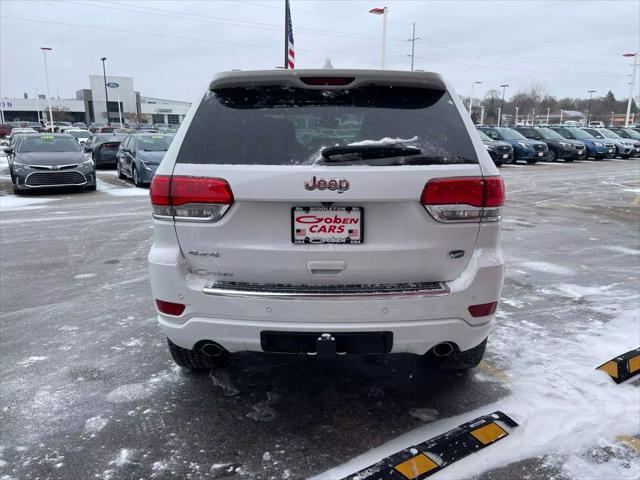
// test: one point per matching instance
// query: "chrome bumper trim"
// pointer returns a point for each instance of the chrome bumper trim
(319, 292)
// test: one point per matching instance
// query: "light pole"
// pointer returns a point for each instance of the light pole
(633, 81)
(503, 87)
(413, 44)
(533, 114)
(561, 114)
(106, 96)
(1, 110)
(46, 79)
(590, 92)
(119, 111)
(481, 115)
(382, 11)
(548, 110)
(515, 121)
(471, 97)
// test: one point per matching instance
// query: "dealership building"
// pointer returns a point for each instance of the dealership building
(90, 105)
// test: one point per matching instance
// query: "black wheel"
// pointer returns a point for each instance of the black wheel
(136, 177)
(195, 360)
(16, 190)
(460, 361)
(552, 155)
(568, 160)
(121, 175)
(498, 163)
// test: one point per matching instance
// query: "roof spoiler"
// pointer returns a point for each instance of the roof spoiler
(327, 79)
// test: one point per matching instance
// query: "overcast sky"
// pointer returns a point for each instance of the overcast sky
(172, 48)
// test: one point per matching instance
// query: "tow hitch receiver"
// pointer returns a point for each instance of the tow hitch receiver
(326, 346)
(425, 459)
(623, 367)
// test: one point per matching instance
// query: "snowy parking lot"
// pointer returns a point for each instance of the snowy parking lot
(88, 389)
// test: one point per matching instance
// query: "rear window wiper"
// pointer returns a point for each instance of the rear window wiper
(367, 152)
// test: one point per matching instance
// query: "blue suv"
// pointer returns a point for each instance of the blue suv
(523, 148)
(595, 148)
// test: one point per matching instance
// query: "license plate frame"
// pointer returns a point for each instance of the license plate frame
(304, 238)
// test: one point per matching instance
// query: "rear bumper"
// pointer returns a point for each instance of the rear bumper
(417, 322)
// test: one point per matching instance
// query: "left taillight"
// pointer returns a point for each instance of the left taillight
(170, 308)
(190, 198)
(464, 199)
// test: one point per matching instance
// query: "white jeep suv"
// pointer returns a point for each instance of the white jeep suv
(327, 212)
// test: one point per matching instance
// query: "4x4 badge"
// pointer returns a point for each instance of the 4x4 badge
(331, 184)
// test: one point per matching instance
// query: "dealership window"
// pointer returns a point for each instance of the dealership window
(113, 107)
(157, 118)
(92, 117)
(173, 119)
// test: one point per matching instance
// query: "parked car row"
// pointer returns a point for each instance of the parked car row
(46, 160)
(558, 142)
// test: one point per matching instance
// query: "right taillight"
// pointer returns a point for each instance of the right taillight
(190, 198)
(464, 199)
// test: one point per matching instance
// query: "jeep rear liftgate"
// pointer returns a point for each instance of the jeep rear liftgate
(327, 185)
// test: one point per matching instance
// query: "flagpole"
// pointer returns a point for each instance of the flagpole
(286, 35)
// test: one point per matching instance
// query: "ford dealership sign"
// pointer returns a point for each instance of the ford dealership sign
(113, 85)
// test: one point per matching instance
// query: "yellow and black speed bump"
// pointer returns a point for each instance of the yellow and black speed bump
(623, 367)
(425, 459)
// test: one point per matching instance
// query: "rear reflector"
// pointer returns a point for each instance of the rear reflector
(170, 308)
(190, 198)
(483, 309)
(464, 199)
(327, 80)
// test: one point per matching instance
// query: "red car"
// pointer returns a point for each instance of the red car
(5, 130)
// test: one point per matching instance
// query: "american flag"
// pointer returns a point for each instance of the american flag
(290, 61)
(301, 232)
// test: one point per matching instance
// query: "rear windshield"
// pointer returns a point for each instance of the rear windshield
(47, 143)
(110, 138)
(79, 133)
(292, 126)
(154, 143)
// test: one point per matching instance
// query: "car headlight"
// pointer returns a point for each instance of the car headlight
(565, 144)
(87, 163)
(597, 144)
(19, 164)
(523, 145)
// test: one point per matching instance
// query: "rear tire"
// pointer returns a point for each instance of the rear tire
(193, 359)
(552, 155)
(460, 361)
(121, 175)
(136, 177)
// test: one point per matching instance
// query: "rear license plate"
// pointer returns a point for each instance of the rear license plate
(505, 155)
(540, 154)
(326, 225)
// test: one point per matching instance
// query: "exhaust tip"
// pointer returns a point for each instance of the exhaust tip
(443, 349)
(211, 349)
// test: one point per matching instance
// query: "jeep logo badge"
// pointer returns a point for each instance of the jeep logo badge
(331, 184)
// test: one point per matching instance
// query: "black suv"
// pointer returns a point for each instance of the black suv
(559, 147)
(500, 152)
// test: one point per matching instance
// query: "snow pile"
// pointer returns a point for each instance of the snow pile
(384, 141)
(12, 203)
(564, 406)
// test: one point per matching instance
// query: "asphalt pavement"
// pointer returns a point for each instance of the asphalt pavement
(88, 390)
